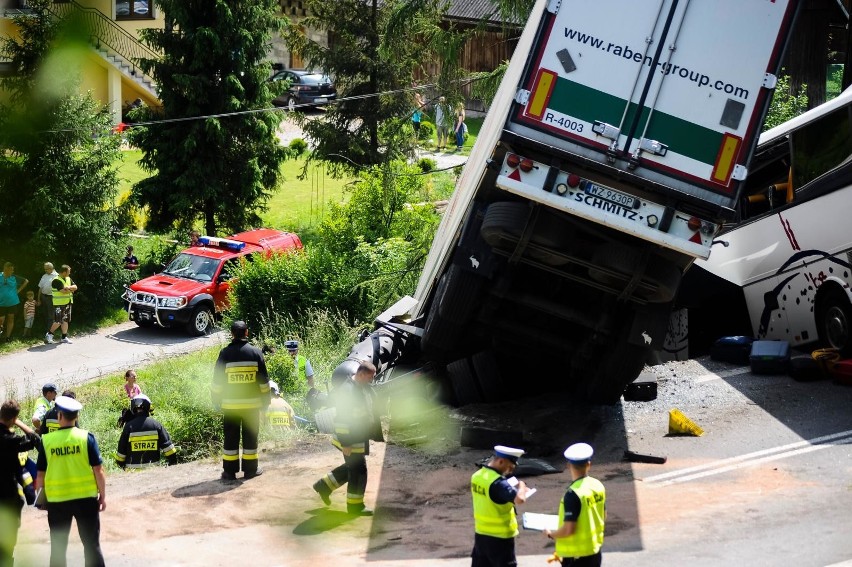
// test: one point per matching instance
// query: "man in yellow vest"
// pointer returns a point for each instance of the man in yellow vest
(44, 404)
(63, 298)
(304, 370)
(495, 492)
(582, 513)
(71, 474)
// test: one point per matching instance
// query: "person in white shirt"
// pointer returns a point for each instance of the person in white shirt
(44, 301)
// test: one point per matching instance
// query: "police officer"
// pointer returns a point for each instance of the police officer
(50, 422)
(44, 403)
(304, 370)
(143, 438)
(240, 390)
(355, 423)
(582, 513)
(495, 493)
(71, 474)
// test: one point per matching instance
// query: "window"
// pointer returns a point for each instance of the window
(821, 146)
(130, 9)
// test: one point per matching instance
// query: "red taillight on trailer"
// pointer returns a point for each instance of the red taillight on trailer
(694, 223)
(513, 161)
(573, 180)
(526, 165)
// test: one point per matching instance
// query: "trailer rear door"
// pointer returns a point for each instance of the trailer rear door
(671, 91)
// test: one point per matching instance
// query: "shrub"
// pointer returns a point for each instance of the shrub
(298, 146)
(427, 130)
(426, 164)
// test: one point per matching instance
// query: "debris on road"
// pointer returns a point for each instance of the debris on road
(679, 424)
(640, 458)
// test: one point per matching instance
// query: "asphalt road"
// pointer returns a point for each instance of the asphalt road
(108, 350)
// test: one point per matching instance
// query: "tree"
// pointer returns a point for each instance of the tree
(57, 180)
(373, 72)
(211, 149)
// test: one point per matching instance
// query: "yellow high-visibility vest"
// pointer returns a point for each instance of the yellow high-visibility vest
(69, 475)
(63, 297)
(588, 535)
(490, 518)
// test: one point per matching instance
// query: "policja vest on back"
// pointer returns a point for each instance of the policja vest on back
(69, 475)
(588, 536)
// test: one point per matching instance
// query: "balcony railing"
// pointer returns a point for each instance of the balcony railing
(104, 32)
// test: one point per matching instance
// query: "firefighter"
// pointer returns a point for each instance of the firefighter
(144, 438)
(240, 390)
(355, 424)
(279, 413)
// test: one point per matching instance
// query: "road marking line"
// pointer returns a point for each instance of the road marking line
(749, 459)
(724, 374)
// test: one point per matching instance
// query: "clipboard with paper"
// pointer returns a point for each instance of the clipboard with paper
(539, 522)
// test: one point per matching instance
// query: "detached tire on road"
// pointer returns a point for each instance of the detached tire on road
(200, 322)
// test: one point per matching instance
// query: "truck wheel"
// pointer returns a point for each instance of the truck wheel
(463, 382)
(489, 376)
(833, 321)
(459, 294)
(200, 322)
(440, 336)
(663, 275)
(504, 222)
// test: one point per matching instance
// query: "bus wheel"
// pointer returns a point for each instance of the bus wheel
(835, 318)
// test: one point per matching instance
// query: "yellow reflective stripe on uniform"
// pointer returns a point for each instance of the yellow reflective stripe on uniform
(52, 425)
(240, 403)
(331, 482)
(141, 465)
(26, 479)
(120, 457)
(22, 458)
(357, 448)
(230, 455)
(278, 418)
(354, 498)
(141, 441)
(169, 449)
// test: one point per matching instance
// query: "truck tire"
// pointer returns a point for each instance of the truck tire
(834, 321)
(490, 377)
(439, 336)
(663, 275)
(458, 297)
(463, 381)
(504, 223)
(200, 322)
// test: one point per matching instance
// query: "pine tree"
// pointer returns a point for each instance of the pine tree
(373, 72)
(212, 151)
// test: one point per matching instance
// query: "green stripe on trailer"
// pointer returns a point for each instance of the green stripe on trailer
(682, 137)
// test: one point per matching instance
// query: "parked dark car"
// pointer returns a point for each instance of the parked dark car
(306, 87)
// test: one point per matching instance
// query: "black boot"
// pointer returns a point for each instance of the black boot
(324, 492)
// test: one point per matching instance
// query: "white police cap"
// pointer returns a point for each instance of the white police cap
(68, 404)
(509, 453)
(579, 453)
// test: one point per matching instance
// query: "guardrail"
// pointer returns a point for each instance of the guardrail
(103, 31)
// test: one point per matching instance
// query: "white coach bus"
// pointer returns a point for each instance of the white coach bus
(791, 251)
